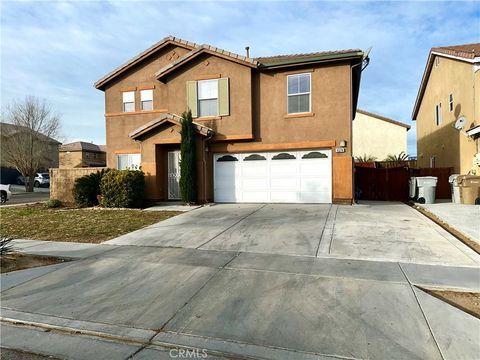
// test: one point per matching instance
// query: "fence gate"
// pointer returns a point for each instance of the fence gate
(381, 184)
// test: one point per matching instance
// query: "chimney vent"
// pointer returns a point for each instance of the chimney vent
(247, 48)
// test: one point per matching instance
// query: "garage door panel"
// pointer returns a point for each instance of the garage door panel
(259, 184)
(284, 196)
(281, 177)
(281, 183)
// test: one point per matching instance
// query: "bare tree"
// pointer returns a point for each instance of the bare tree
(28, 143)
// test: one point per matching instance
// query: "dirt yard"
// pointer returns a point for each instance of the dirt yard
(16, 261)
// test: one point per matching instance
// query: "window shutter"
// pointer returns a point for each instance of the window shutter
(192, 100)
(223, 97)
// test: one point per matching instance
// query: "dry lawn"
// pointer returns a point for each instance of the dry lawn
(77, 225)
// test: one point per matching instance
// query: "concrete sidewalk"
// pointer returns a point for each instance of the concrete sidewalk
(143, 301)
(463, 218)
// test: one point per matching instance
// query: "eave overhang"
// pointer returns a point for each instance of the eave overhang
(165, 118)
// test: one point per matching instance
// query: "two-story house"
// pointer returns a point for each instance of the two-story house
(82, 154)
(378, 136)
(447, 108)
(270, 129)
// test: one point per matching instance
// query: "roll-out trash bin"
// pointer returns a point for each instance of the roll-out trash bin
(426, 189)
(452, 179)
(469, 189)
(412, 186)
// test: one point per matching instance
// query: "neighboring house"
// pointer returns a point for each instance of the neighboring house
(271, 129)
(82, 154)
(8, 174)
(450, 89)
(378, 136)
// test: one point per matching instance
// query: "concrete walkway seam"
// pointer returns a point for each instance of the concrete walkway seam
(231, 226)
(421, 309)
(184, 305)
(333, 231)
(323, 229)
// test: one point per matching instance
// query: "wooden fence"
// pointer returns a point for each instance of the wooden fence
(391, 184)
(388, 184)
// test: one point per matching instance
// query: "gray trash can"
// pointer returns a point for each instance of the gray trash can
(452, 179)
(426, 189)
(412, 187)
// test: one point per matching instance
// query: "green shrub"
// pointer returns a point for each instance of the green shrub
(122, 188)
(53, 203)
(87, 188)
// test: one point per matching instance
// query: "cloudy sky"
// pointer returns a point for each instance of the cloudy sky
(57, 50)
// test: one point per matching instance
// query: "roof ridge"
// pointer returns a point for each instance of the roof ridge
(384, 118)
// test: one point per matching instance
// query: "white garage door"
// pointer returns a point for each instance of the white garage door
(277, 177)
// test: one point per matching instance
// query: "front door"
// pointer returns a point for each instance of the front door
(174, 175)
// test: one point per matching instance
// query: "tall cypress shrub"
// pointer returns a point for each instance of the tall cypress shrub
(188, 171)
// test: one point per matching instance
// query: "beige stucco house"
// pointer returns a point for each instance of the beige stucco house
(269, 129)
(449, 91)
(378, 136)
(82, 154)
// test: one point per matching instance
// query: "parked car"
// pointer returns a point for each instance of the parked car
(41, 179)
(5, 193)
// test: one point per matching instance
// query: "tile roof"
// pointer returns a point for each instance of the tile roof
(142, 55)
(467, 51)
(305, 56)
(7, 129)
(368, 113)
(209, 49)
(80, 146)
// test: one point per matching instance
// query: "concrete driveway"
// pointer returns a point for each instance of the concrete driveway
(371, 231)
(255, 281)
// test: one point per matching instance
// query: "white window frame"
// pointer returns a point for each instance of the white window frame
(134, 161)
(128, 102)
(438, 114)
(198, 97)
(450, 102)
(304, 93)
(142, 93)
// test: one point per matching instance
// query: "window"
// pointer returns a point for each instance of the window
(227, 158)
(146, 99)
(437, 61)
(254, 157)
(298, 93)
(432, 161)
(283, 156)
(438, 114)
(128, 161)
(207, 97)
(129, 101)
(450, 102)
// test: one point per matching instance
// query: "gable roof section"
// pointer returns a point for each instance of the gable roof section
(143, 55)
(205, 49)
(383, 118)
(283, 60)
(163, 119)
(80, 146)
(7, 130)
(468, 53)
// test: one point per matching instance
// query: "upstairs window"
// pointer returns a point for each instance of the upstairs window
(207, 97)
(450, 102)
(129, 101)
(146, 99)
(299, 93)
(438, 114)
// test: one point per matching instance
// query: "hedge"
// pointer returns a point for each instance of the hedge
(122, 188)
(87, 188)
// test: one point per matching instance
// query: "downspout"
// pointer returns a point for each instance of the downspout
(364, 63)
